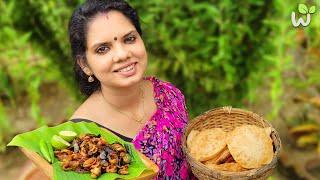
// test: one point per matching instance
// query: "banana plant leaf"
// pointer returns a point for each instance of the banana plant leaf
(30, 140)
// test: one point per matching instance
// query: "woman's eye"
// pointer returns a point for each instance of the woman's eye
(102, 49)
(130, 39)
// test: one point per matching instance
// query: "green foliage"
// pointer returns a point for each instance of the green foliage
(209, 49)
(24, 66)
(47, 20)
(279, 58)
(4, 127)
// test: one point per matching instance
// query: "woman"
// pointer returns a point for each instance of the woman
(110, 62)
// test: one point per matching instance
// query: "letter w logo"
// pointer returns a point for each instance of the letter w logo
(300, 20)
(303, 9)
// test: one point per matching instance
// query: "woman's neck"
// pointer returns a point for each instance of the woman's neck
(122, 98)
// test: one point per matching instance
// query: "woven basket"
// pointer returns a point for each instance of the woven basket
(228, 118)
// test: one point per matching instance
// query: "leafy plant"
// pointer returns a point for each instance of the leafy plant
(24, 66)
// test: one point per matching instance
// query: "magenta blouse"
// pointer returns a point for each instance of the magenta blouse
(160, 138)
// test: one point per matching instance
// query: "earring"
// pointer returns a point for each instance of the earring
(90, 79)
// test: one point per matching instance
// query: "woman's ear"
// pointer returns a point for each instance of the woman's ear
(84, 66)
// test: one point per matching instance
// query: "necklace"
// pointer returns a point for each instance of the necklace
(139, 120)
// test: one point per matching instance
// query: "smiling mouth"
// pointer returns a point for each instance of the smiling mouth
(126, 69)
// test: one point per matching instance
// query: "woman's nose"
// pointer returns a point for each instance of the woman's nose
(121, 53)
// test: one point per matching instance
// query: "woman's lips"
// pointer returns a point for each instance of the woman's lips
(124, 68)
(128, 71)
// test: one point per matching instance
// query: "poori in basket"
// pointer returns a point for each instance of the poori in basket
(250, 146)
(207, 143)
(236, 144)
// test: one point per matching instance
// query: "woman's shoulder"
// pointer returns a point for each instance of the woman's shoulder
(167, 93)
(164, 85)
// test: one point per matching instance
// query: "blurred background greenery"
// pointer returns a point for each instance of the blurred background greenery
(243, 53)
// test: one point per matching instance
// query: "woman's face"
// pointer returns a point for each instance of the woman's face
(116, 54)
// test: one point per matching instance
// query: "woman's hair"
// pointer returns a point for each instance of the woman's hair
(78, 30)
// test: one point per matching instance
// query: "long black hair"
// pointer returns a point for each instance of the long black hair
(78, 34)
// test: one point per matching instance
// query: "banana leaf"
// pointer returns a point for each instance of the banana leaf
(31, 140)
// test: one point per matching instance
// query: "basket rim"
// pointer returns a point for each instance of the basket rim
(228, 109)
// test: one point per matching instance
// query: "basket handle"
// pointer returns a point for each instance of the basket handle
(227, 109)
